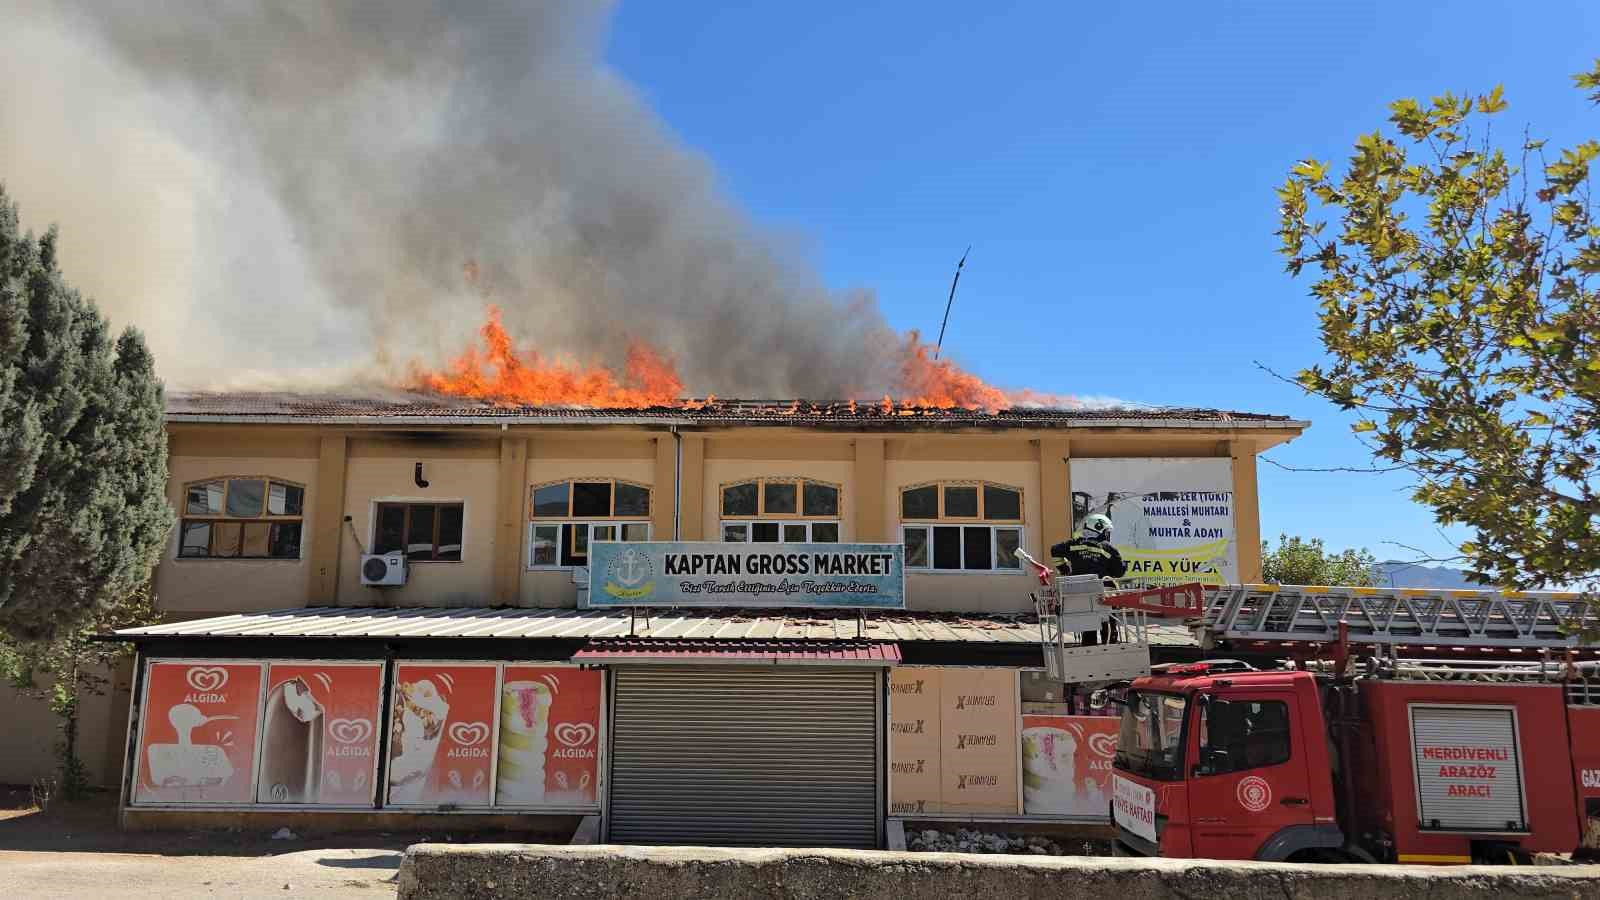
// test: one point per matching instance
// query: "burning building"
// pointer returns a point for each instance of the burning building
(413, 605)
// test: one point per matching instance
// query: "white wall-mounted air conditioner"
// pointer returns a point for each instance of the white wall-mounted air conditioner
(383, 570)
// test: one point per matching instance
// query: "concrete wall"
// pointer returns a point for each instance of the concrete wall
(28, 740)
(478, 872)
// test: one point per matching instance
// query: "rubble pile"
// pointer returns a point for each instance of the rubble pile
(971, 840)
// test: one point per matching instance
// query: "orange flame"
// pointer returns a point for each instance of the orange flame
(926, 381)
(499, 372)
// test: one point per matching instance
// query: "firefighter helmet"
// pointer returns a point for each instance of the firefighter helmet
(1098, 527)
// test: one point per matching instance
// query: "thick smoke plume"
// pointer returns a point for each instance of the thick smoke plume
(313, 193)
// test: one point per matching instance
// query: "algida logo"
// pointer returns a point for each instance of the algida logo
(630, 576)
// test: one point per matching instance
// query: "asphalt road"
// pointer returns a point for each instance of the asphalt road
(354, 873)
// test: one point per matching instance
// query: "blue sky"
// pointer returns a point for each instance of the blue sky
(1113, 167)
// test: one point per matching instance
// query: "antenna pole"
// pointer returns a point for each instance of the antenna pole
(950, 302)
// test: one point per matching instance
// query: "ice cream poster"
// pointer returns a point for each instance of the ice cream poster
(319, 733)
(549, 740)
(441, 733)
(197, 733)
(1066, 765)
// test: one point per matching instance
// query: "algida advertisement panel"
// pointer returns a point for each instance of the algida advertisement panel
(319, 733)
(441, 733)
(548, 750)
(197, 733)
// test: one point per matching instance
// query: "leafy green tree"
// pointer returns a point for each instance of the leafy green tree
(83, 454)
(1458, 304)
(1300, 561)
(72, 665)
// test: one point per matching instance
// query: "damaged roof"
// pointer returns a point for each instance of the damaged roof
(401, 408)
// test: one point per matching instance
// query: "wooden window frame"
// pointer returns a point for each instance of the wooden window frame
(995, 568)
(761, 513)
(405, 527)
(982, 518)
(560, 525)
(650, 500)
(222, 518)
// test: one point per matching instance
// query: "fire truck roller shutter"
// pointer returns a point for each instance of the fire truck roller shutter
(729, 755)
(1469, 770)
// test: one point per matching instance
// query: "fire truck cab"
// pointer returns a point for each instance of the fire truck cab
(1292, 765)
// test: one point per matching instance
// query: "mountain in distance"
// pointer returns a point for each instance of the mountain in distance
(1393, 573)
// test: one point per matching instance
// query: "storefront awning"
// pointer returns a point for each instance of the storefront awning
(798, 653)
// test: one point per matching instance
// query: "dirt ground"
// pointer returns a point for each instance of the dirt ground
(76, 850)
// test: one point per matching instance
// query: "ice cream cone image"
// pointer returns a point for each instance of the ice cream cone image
(291, 746)
(419, 718)
(1048, 771)
(524, 738)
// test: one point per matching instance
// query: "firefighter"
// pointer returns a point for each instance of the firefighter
(1091, 553)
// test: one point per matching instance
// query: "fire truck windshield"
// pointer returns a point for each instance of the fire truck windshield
(1151, 740)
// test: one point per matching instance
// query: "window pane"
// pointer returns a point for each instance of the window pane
(255, 539)
(544, 544)
(781, 498)
(1002, 503)
(821, 499)
(824, 532)
(225, 539)
(636, 531)
(979, 551)
(550, 500)
(947, 548)
(920, 503)
(204, 499)
(794, 534)
(196, 540)
(1006, 542)
(419, 534)
(735, 534)
(739, 499)
(244, 496)
(390, 535)
(1243, 735)
(591, 498)
(450, 532)
(916, 547)
(633, 500)
(285, 540)
(575, 545)
(961, 501)
(285, 499)
(606, 533)
(764, 532)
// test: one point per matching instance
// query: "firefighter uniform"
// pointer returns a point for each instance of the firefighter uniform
(1087, 555)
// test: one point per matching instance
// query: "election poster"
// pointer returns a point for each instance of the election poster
(319, 733)
(1066, 765)
(1173, 519)
(441, 733)
(197, 732)
(549, 741)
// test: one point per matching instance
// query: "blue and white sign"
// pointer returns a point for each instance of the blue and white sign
(660, 573)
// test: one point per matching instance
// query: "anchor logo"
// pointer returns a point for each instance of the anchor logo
(632, 568)
(629, 576)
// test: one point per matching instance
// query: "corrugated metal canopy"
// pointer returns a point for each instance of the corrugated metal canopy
(674, 624)
(633, 650)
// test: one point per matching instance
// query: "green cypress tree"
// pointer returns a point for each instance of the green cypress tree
(83, 454)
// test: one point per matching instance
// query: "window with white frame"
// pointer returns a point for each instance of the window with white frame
(780, 511)
(565, 517)
(961, 526)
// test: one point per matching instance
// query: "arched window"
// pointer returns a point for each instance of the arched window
(242, 517)
(564, 516)
(780, 511)
(971, 526)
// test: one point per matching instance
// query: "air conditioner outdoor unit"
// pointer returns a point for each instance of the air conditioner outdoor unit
(383, 570)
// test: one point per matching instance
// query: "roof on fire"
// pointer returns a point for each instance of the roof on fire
(428, 409)
(667, 624)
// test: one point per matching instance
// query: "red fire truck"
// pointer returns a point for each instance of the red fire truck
(1490, 755)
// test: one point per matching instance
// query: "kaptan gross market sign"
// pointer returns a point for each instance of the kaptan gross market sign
(663, 573)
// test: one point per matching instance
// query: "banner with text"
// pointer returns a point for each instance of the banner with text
(847, 576)
(441, 733)
(549, 745)
(319, 733)
(1066, 765)
(197, 733)
(1173, 518)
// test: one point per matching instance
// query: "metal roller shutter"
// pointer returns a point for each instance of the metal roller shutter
(722, 755)
(1469, 774)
